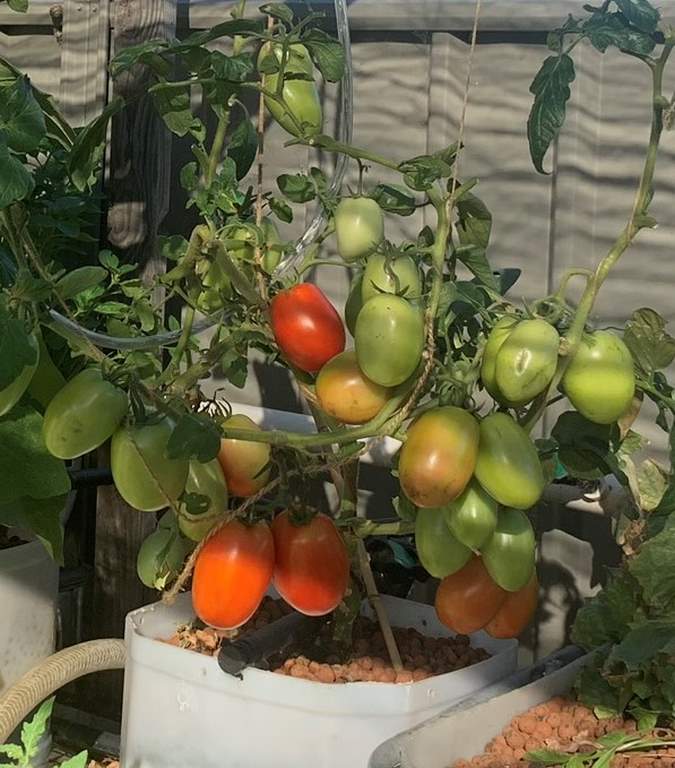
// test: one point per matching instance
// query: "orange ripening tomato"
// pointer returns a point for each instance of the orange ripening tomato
(516, 611)
(243, 461)
(468, 599)
(439, 455)
(307, 327)
(232, 573)
(312, 565)
(346, 394)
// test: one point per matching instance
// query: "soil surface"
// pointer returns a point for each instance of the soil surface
(561, 725)
(422, 656)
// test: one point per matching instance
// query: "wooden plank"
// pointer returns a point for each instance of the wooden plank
(138, 187)
(431, 15)
(84, 59)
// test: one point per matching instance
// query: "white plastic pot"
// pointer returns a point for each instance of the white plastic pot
(29, 581)
(181, 710)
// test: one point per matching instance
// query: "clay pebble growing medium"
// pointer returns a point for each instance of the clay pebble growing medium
(422, 656)
(561, 724)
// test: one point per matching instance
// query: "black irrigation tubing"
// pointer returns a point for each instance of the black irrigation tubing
(90, 478)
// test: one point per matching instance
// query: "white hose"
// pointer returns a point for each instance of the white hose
(56, 671)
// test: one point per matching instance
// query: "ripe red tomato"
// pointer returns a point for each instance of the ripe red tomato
(312, 565)
(232, 574)
(516, 611)
(307, 327)
(468, 599)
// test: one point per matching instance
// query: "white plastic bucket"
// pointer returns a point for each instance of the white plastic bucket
(181, 710)
(29, 581)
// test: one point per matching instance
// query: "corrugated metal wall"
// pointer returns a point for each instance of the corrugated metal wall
(410, 64)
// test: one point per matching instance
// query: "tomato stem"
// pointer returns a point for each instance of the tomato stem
(637, 221)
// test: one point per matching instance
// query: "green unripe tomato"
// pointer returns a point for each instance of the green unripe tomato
(143, 474)
(354, 303)
(440, 553)
(300, 95)
(389, 339)
(160, 557)
(472, 517)
(11, 394)
(83, 415)
(203, 480)
(508, 465)
(600, 380)
(527, 360)
(399, 275)
(509, 555)
(359, 227)
(498, 335)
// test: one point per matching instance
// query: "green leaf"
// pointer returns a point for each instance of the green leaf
(654, 568)
(16, 351)
(405, 509)
(89, 146)
(473, 257)
(394, 199)
(281, 209)
(644, 642)
(547, 757)
(651, 346)
(173, 106)
(640, 14)
(33, 731)
(297, 187)
(225, 29)
(607, 616)
(421, 172)
(13, 752)
(605, 29)
(278, 11)
(475, 221)
(243, 147)
(79, 280)
(507, 278)
(585, 449)
(195, 436)
(326, 53)
(143, 53)
(593, 689)
(615, 739)
(77, 761)
(551, 93)
(40, 516)
(17, 182)
(21, 118)
(235, 69)
(21, 6)
(25, 459)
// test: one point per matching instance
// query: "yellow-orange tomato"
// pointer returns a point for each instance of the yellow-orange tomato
(516, 611)
(346, 394)
(439, 455)
(468, 599)
(243, 460)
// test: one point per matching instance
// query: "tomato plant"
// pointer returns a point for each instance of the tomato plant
(307, 327)
(458, 371)
(468, 599)
(312, 566)
(232, 573)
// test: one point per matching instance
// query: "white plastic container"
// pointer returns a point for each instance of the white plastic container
(182, 711)
(465, 728)
(29, 582)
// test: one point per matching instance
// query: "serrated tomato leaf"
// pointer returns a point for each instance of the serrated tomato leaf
(195, 436)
